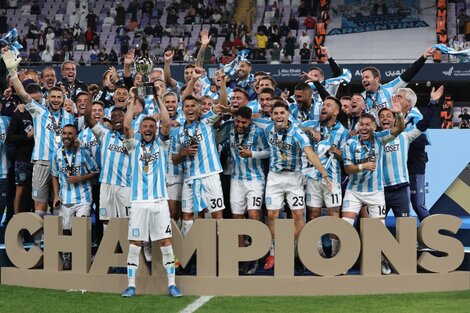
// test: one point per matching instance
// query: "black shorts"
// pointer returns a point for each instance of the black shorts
(23, 173)
(398, 200)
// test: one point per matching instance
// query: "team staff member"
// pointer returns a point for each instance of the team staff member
(21, 136)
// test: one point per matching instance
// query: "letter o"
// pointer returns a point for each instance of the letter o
(350, 246)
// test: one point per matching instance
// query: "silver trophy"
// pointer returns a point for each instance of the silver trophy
(144, 66)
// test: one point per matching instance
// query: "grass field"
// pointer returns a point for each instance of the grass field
(20, 299)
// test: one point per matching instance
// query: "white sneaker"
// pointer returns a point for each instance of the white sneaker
(386, 270)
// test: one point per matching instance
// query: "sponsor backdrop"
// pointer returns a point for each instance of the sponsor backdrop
(444, 72)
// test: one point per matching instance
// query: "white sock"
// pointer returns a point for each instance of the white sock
(132, 263)
(349, 220)
(178, 222)
(148, 250)
(271, 250)
(37, 236)
(186, 226)
(168, 259)
(334, 247)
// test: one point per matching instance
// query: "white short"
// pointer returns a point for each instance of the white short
(285, 185)
(246, 195)
(115, 201)
(149, 220)
(207, 191)
(71, 210)
(375, 201)
(174, 186)
(318, 195)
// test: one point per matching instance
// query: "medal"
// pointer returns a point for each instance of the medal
(57, 138)
(284, 157)
(146, 169)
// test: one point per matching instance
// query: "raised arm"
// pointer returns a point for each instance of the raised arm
(205, 40)
(168, 58)
(335, 68)
(128, 60)
(197, 73)
(88, 119)
(400, 119)
(223, 91)
(416, 66)
(164, 116)
(128, 130)
(315, 161)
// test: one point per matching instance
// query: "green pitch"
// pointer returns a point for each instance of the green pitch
(19, 299)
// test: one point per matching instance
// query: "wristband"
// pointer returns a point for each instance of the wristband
(360, 167)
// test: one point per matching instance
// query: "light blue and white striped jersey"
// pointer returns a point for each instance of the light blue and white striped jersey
(73, 162)
(332, 84)
(312, 114)
(137, 121)
(171, 169)
(254, 106)
(413, 117)
(216, 95)
(336, 136)
(247, 169)
(151, 106)
(286, 146)
(395, 167)
(115, 168)
(382, 98)
(89, 140)
(4, 123)
(357, 152)
(47, 129)
(207, 161)
(148, 165)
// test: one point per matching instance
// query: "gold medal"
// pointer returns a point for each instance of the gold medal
(284, 157)
(146, 169)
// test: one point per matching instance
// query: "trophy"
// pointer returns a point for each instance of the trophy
(144, 66)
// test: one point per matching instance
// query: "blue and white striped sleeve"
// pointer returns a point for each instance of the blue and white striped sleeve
(348, 153)
(90, 162)
(175, 141)
(54, 165)
(261, 123)
(34, 108)
(384, 136)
